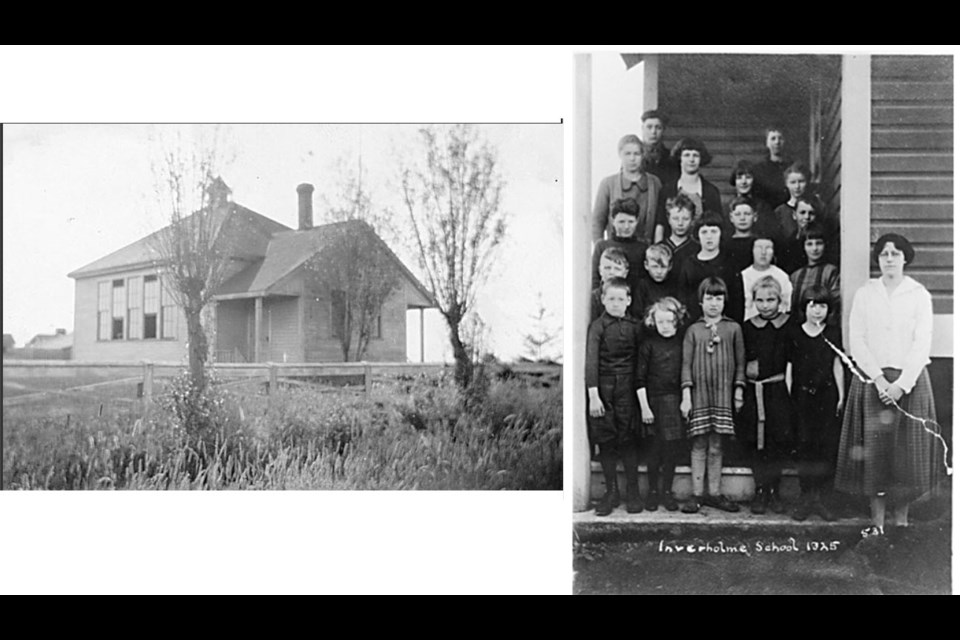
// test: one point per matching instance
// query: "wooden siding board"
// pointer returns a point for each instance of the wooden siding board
(917, 140)
(912, 115)
(896, 162)
(918, 231)
(902, 91)
(908, 187)
(901, 210)
(280, 316)
(907, 67)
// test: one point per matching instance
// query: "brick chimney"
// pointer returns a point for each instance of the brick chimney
(305, 193)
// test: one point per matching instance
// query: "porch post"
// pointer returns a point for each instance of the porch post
(257, 327)
(651, 82)
(578, 274)
(855, 120)
(214, 321)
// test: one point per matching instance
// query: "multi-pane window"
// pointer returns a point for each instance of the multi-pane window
(103, 311)
(168, 312)
(151, 306)
(134, 300)
(135, 308)
(119, 309)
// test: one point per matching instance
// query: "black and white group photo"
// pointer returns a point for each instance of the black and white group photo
(478, 319)
(763, 287)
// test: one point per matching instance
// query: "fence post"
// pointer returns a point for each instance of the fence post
(272, 388)
(367, 378)
(147, 384)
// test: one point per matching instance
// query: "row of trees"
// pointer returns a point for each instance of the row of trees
(453, 207)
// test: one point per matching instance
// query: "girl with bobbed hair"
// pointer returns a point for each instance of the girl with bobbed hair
(883, 453)
(691, 154)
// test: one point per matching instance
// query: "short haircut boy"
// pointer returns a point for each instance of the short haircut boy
(653, 113)
(630, 138)
(712, 286)
(682, 201)
(615, 255)
(660, 254)
(669, 304)
(814, 201)
(739, 200)
(628, 206)
(615, 283)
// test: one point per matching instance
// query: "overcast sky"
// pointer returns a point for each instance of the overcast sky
(74, 193)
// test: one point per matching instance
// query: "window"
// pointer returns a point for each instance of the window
(134, 300)
(119, 310)
(168, 312)
(103, 311)
(151, 306)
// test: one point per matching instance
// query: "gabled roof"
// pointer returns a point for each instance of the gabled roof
(273, 250)
(144, 253)
(288, 250)
(51, 341)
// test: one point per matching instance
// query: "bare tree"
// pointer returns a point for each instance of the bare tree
(453, 201)
(355, 263)
(195, 257)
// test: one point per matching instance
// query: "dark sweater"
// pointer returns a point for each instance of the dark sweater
(659, 365)
(612, 347)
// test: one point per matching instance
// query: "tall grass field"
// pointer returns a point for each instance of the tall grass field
(420, 433)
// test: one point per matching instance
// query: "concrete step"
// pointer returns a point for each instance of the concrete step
(622, 526)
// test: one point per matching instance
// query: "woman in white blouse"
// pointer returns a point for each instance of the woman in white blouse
(882, 452)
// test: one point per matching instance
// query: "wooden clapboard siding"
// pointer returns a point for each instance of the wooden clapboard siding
(727, 101)
(912, 164)
(233, 327)
(281, 330)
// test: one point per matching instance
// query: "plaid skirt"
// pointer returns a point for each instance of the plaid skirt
(883, 450)
(667, 421)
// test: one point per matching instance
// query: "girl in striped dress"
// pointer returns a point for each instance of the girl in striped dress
(712, 381)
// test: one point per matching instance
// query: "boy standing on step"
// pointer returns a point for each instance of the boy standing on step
(613, 342)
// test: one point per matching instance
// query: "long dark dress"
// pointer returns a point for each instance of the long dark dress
(814, 394)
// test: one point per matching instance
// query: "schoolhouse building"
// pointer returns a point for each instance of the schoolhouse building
(875, 130)
(269, 308)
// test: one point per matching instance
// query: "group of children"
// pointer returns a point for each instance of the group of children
(709, 327)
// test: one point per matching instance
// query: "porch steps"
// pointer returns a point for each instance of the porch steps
(736, 483)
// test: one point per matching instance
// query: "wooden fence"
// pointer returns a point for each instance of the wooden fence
(269, 374)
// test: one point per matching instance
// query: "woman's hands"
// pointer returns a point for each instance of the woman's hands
(889, 392)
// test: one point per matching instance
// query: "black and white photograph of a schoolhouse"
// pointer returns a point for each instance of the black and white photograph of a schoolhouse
(763, 309)
(282, 306)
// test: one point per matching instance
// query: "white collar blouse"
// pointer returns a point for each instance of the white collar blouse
(892, 329)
